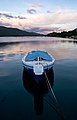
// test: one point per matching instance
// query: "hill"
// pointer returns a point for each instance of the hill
(5, 31)
(64, 34)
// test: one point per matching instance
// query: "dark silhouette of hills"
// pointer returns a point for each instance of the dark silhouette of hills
(64, 34)
(5, 31)
(8, 32)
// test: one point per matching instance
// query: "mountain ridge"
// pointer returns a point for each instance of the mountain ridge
(8, 31)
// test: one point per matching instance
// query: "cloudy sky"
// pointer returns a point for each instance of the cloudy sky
(42, 16)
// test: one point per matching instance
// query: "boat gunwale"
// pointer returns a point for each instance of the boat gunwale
(36, 62)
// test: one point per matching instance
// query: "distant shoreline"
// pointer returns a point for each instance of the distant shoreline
(70, 34)
(15, 32)
(72, 37)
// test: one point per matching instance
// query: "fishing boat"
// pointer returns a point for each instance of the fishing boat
(37, 62)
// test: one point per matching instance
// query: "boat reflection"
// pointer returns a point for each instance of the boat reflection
(38, 90)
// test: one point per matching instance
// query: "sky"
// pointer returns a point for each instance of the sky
(41, 16)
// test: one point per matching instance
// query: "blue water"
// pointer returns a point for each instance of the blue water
(18, 92)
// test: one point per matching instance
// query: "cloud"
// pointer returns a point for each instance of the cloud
(14, 22)
(44, 29)
(65, 16)
(37, 5)
(31, 11)
(6, 15)
(49, 22)
(34, 7)
(48, 11)
(57, 18)
(20, 17)
(5, 24)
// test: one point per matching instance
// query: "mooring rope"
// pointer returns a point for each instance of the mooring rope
(52, 92)
(49, 85)
(57, 111)
(50, 88)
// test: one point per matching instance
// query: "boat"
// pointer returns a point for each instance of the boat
(37, 62)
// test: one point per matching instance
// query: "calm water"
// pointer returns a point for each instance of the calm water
(18, 93)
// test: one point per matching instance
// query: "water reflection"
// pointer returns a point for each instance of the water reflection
(38, 90)
(60, 48)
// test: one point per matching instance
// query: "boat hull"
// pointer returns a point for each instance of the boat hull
(35, 77)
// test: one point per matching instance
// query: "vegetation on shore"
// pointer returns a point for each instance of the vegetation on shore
(64, 34)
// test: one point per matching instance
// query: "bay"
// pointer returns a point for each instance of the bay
(16, 96)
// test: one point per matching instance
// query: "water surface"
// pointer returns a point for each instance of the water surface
(17, 91)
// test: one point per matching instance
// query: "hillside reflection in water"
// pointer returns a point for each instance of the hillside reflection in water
(59, 48)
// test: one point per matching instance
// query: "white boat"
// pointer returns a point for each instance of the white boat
(37, 62)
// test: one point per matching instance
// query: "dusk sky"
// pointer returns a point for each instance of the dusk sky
(42, 16)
